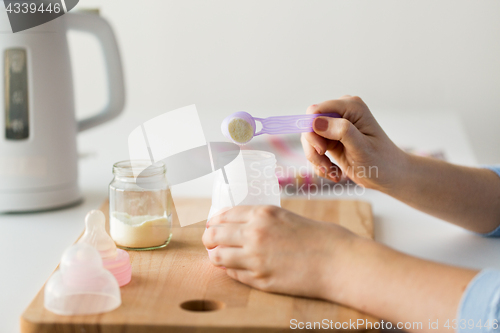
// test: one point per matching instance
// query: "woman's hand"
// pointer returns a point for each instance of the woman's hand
(467, 197)
(357, 144)
(272, 249)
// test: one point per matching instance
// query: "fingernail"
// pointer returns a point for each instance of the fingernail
(320, 124)
(318, 150)
(323, 170)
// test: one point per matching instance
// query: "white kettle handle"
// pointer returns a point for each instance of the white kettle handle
(99, 27)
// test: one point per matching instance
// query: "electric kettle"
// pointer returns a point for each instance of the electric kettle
(38, 128)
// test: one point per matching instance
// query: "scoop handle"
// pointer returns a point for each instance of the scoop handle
(291, 124)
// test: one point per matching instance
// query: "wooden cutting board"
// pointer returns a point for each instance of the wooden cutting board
(163, 280)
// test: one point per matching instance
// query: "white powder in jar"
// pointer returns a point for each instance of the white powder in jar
(139, 231)
(240, 130)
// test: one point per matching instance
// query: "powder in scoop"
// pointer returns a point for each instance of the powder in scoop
(240, 130)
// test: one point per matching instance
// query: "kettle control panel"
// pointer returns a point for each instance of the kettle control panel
(16, 94)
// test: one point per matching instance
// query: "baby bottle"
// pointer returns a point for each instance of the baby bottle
(261, 183)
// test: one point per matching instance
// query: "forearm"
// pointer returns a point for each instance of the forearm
(397, 287)
(468, 197)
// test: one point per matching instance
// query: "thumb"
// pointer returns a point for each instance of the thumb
(339, 129)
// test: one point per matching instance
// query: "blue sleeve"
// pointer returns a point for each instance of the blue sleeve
(494, 168)
(479, 309)
(496, 232)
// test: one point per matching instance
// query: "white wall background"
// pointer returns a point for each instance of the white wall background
(279, 56)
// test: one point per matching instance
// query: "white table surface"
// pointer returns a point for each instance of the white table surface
(31, 244)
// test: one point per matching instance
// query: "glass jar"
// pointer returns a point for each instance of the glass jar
(261, 183)
(140, 213)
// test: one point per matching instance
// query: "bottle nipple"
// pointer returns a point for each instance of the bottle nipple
(115, 260)
(96, 235)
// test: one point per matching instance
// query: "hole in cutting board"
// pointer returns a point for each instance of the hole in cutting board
(202, 305)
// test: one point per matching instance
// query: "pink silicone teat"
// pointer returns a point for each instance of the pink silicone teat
(115, 260)
(96, 235)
